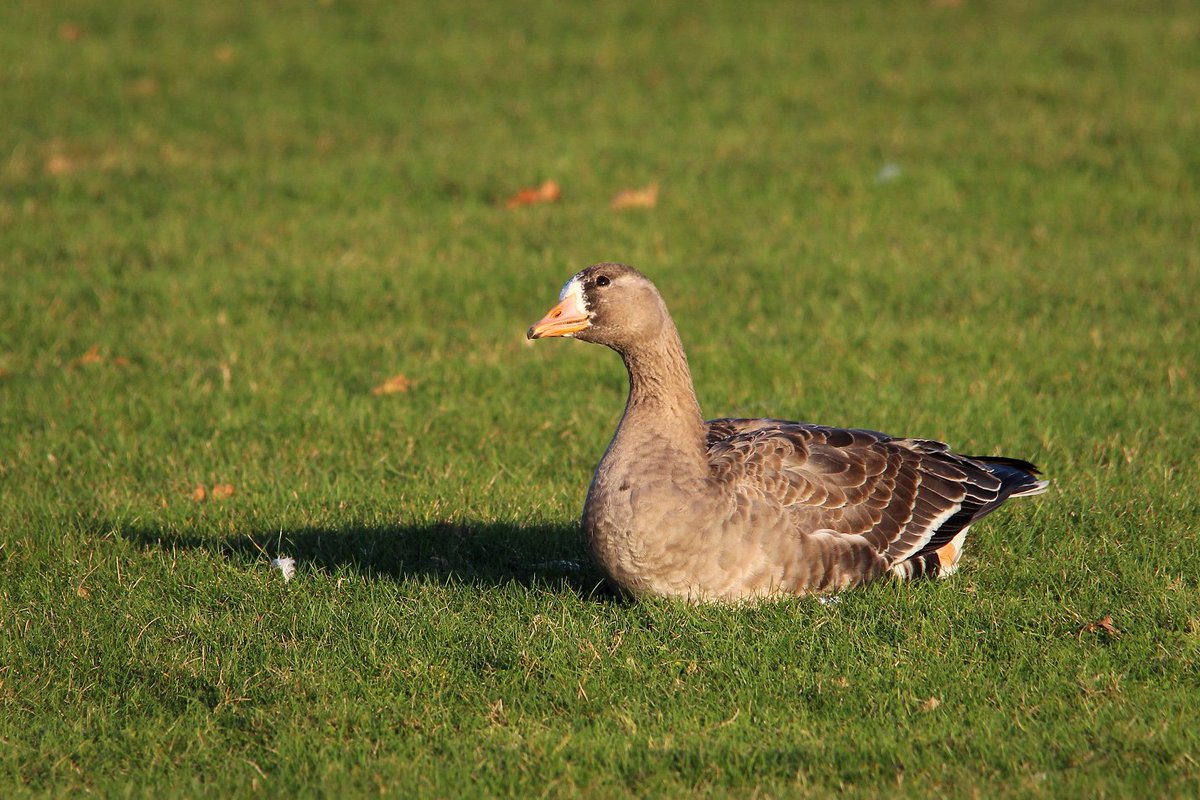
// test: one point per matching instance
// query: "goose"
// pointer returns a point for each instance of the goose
(742, 510)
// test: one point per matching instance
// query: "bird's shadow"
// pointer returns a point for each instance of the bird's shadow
(467, 552)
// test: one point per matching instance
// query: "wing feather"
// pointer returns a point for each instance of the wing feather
(906, 497)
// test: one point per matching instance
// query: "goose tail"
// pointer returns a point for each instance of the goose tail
(939, 559)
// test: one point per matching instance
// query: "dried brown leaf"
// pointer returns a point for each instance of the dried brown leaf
(548, 192)
(1105, 624)
(92, 356)
(199, 494)
(222, 491)
(646, 197)
(496, 713)
(146, 86)
(70, 32)
(396, 384)
(225, 54)
(58, 164)
(930, 704)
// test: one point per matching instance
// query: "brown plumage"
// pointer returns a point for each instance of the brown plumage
(742, 509)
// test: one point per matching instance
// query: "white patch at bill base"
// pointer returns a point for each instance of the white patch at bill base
(573, 290)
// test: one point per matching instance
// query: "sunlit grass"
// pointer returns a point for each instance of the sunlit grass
(221, 226)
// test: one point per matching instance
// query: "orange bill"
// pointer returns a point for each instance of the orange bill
(566, 318)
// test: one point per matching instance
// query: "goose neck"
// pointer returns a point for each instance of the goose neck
(661, 394)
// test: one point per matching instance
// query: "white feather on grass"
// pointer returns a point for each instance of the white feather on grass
(285, 565)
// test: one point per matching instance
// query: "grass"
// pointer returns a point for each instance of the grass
(222, 224)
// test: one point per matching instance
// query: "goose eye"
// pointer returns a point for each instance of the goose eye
(602, 280)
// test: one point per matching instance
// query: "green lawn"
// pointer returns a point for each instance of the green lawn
(223, 223)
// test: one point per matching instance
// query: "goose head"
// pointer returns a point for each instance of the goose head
(609, 304)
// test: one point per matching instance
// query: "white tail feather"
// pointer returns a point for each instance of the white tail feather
(1037, 488)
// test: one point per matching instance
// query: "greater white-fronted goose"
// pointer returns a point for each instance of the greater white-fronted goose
(744, 509)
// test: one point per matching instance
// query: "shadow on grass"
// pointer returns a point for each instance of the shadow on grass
(470, 552)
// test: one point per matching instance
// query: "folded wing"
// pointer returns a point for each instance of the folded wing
(906, 497)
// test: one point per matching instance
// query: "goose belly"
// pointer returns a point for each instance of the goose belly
(650, 541)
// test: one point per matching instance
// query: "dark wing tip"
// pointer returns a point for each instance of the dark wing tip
(1015, 463)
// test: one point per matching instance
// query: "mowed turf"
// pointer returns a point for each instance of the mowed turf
(223, 224)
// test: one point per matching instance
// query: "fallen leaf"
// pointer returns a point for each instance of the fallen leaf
(548, 192)
(199, 494)
(143, 87)
(222, 491)
(70, 32)
(496, 711)
(59, 164)
(1105, 624)
(930, 704)
(393, 385)
(225, 54)
(92, 356)
(646, 197)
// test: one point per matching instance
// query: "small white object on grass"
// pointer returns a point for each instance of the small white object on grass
(829, 599)
(285, 565)
(888, 172)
